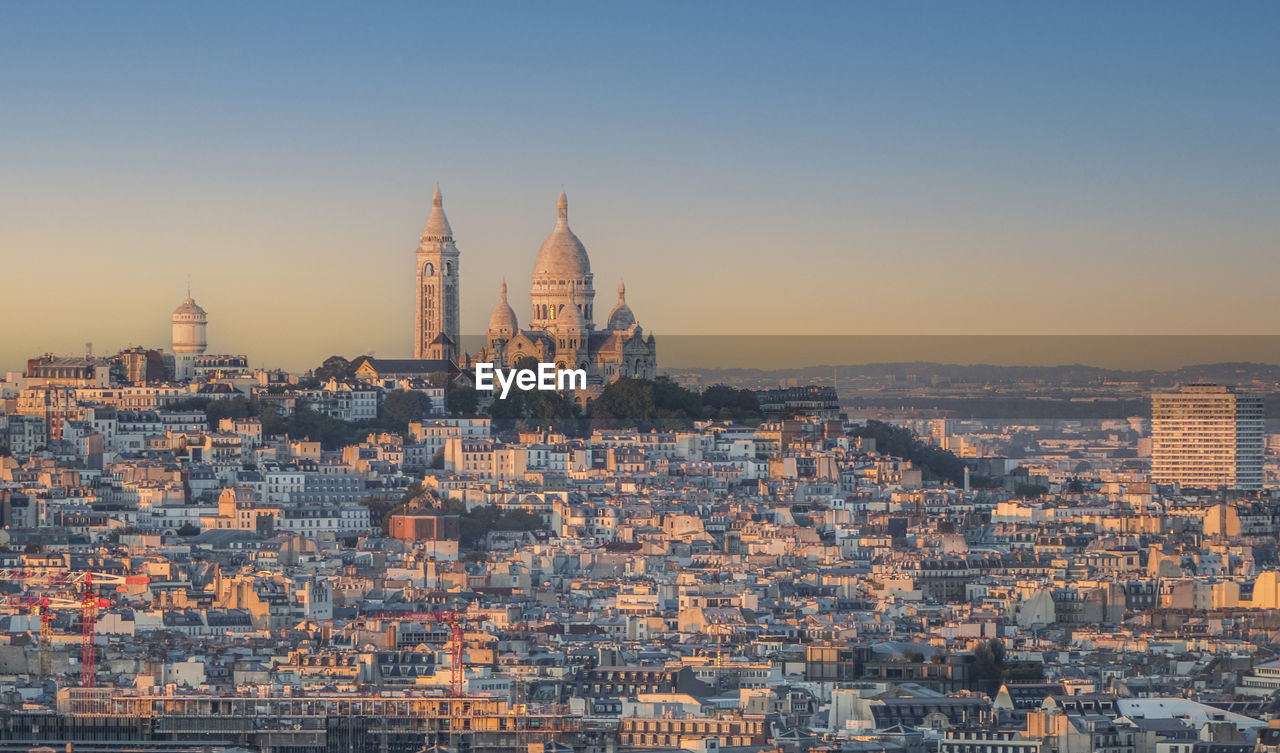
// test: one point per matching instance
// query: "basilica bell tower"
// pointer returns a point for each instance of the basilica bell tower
(436, 317)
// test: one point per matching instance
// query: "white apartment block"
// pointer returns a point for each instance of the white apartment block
(1206, 436)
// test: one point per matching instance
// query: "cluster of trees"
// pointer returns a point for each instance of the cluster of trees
(459, 401)
(642, 404)
(398, 409)
(217, 409)
(935, 463)
(523, 410)
(991, 668)
(335, 367)
(473, 525)
(661, 403)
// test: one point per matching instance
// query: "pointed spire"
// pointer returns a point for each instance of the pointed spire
(437, 228)
(563, 208)
(622, 292)
(502, 291)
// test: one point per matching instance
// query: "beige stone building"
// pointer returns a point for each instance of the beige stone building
(562, 328)
(562, 325)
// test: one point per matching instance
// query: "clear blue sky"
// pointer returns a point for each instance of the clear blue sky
(746, 167)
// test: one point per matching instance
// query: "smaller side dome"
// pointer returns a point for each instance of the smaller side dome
(502, 322)
(621, 317)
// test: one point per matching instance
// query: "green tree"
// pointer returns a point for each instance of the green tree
(625, 402)
(475, 524)
(1030, 491)
(234, 407)
(189, 529)
(523, 410)
(381, 510)
(335, 367)
(412, 492)
(331, 433)
(661, 403)
(988, 666)
(461, 401)
(400, 407)
(935, 464)
(273, 422)
(726, 403)
(191, 403)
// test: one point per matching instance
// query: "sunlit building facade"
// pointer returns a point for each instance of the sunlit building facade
(1206, 436)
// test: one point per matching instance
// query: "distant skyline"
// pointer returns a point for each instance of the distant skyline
(747, 168)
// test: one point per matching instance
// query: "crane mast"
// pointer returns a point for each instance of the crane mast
(78, 590)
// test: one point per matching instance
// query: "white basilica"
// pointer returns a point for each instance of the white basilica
(562, 327)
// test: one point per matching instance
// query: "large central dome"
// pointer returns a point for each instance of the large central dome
(562, 255)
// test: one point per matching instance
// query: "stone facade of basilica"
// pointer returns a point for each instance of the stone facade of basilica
(561, 327)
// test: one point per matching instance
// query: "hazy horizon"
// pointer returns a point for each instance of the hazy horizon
(828, 168)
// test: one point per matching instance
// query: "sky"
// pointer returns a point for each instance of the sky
(748, 168)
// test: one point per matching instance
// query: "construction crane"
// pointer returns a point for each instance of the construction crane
(43, 606)
(81, 587)
(454, 620)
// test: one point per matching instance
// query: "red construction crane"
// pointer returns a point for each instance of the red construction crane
(454, 620)
(88, 605)
(80, 587)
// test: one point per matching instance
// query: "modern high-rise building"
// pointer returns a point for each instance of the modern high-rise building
(436, 321)
(1206, 436)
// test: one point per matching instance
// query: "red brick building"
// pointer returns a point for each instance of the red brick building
(422, 526)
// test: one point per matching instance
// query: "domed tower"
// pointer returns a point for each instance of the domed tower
(561, 276)
(437, 309)
(621, 317)
(502, 323)
(189, 337)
